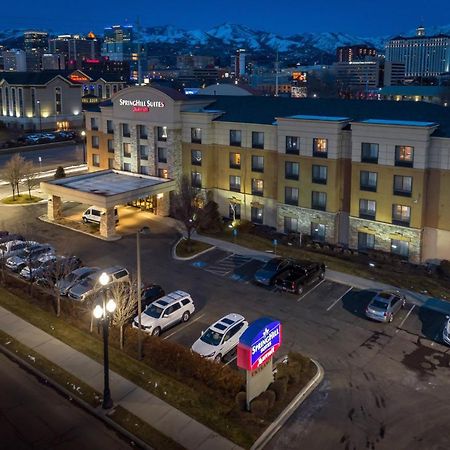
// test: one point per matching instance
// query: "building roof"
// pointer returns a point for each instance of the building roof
(33, 78)
(265, 110)
(410, 38)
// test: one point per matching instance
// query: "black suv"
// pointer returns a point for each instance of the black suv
(301, 275)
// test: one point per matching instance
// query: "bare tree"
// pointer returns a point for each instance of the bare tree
(186, 207)
(30, 176)
(13, 171)
(124, 294)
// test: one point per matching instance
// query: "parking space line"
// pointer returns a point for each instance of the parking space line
(309, 292)
(229, 362)
(183, 326)
(407, 315)
(340, 298)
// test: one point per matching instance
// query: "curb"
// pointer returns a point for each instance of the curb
(275, 426)
(111, 239)
(80, 402)
(30, 148)
(187, 258)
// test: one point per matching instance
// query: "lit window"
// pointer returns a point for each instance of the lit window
(320, 147)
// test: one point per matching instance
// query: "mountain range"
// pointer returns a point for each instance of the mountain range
(223, 40)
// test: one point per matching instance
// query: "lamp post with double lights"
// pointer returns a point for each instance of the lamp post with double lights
(104, 312)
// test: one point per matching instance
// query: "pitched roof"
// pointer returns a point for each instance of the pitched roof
(33, 78)
(265, 110)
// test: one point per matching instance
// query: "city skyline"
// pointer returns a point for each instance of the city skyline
(347, 16)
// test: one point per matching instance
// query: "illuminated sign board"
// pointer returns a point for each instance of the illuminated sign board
(299, 76)
(258, 343)
(79, 78)
(141, 105)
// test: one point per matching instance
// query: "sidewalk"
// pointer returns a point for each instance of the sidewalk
(171, 422)
(415, 298)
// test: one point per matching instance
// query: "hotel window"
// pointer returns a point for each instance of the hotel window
(127, 167)
(235, 138)
(366, 241)
(162, 154)
(145, 170)
(404, 155)
(290, 225)
(1, 101)
(319, 174)
(318, 232)
(367, 209)
(196, 135)
(110, 163)
(235, 183)
(94, 124)
(162, 134)
(7, 101)
(143, 152)
(142, 129)
(21, 107)
(33, 102)
(107, 91)
(368, 181)
(319, 200)
(292, 145)
(403, 185)
(163, 173)
(96, 160)
(291, 170)
(257, 215)
(58, 100)
(126, 150)
(99, 91)
(13, 95)
(196, 157)
(110, 145)
(369, 152)
(234, 211)
(320, 147)
(291, 196)
(125, 130)
(400, 248)
(401, 215)
(235, 160)
(257, 139)
(95, 141)
(196, 180)
(257, 163)
(257, 187)
(109, 127)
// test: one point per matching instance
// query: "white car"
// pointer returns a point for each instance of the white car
(169, 310)
(221, 337)
(446, 331)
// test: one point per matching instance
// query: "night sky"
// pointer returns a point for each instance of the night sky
(363, 17)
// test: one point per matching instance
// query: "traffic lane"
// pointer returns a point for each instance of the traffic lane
(35, 416)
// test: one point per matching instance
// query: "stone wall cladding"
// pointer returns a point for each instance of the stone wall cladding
(134, 149)
(174, 154)
(383, 232)
(151, 142)
(118, 154)
(305, 216)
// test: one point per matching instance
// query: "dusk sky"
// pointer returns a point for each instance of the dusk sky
(363, 17)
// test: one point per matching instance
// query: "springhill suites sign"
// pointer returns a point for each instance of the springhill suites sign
(141, 105)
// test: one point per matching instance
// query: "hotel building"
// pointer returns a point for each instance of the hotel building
(371, 175)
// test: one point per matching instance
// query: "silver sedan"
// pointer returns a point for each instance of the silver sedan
(385, 305)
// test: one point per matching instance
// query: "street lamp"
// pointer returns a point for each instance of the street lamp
(104, 312)
(83, 140)
(38, 103)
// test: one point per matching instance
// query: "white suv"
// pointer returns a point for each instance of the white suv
(221, 337)
(165, 312)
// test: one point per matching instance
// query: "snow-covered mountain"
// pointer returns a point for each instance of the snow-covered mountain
(224, 39)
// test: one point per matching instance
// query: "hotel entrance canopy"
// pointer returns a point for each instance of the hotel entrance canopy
(105, 189)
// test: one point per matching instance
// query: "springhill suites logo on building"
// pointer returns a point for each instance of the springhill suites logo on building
(139, 105)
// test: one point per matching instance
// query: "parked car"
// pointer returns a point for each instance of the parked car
(12, 248)
(28, 254)
(169, 310)
(150, 293)
(66, 283)
(221, 337)
(301, 275)
(271, 270)
(58, 267)
(37, 267)
(93, 215)
(385, 305)
(80, 291)
(446, 331)
(11, 237)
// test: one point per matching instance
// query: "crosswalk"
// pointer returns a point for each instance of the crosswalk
(228, 264)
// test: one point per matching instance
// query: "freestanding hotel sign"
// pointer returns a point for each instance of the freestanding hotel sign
(255, 351)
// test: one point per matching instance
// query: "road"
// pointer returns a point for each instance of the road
(386, 386)
(33, 416)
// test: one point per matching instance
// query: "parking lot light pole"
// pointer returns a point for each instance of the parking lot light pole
(103, 312)
(83, 141)
(38, 103)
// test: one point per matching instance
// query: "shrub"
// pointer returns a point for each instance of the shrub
(241, 400)
(279, 386)
(60, 173)
(270, 396)
(259, 406)
(444, 268)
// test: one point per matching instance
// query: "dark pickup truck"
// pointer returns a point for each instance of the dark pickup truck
(301, 275)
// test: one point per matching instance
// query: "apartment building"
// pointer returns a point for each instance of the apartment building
(370, 174)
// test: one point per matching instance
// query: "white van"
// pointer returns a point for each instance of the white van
(93, 214)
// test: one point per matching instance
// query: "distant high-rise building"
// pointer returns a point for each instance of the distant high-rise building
(36, 42)
(118, 43)
(351, 53)
(194, 61)
(14, 61)
(423, 56)
(53, 61)
(238, 63)
(75, 48)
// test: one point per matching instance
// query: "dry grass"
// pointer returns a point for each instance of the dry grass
(22, 199)
(185, 250)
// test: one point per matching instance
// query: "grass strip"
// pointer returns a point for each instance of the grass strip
(20, 200)
(183, 250)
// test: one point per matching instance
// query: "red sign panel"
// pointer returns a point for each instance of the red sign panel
(141, 109)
